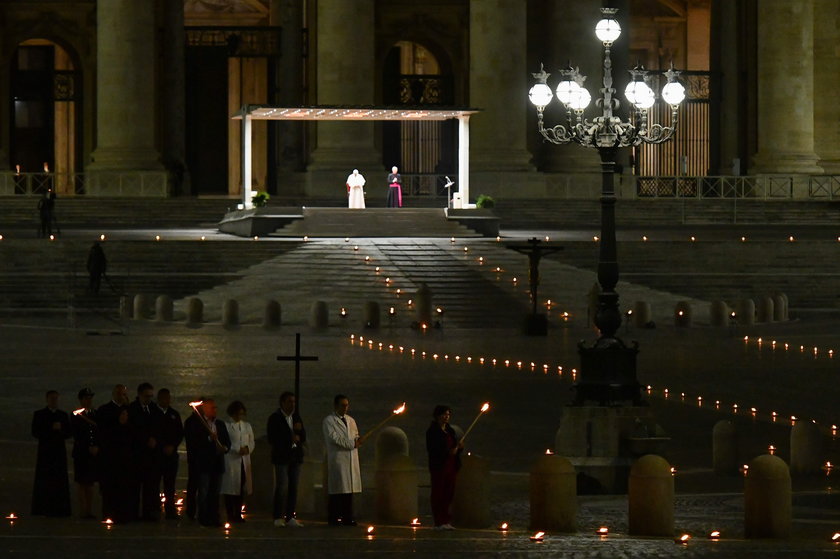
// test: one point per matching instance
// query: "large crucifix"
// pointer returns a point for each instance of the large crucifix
(297, 358)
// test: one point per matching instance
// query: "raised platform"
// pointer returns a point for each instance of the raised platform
(370, 222)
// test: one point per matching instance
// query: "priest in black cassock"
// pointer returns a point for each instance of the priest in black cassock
(394, 199)
(51, 491)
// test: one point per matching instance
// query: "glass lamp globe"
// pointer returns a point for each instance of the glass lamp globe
(580, 99)
(540, 95)
(607, 30)
(630, 91)
(673, 93)
(645, 97)
(565, 90)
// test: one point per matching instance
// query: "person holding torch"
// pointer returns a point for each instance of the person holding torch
(341, 437)
(444, 451)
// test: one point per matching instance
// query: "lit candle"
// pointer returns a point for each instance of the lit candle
(503, 527)
(683, 539)
(538, 537)
(392, 415)
(415, 523)
(714, 535)
(602, 531)
(483, 409)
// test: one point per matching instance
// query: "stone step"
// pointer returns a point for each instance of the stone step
(375, 222)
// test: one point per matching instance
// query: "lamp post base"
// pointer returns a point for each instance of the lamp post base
(607, 374)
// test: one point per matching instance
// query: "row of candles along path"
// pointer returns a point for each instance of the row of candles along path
(504, 528)
(815, 351)
(595, 238)
(666, 394)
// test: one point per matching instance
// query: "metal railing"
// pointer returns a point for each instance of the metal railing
(426, 185)
(104, 183)
(713, 187)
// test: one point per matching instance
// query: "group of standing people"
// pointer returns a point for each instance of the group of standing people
(356, 191)
(130, 449)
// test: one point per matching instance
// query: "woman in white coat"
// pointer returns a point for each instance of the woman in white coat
(341, 437)
(356, 190)
(237, 482)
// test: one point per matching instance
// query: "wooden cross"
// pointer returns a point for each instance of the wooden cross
(297, 358)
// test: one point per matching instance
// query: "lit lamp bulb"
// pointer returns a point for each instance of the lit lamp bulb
(566, 88)
(540, 94)
(673, 93)
(580, 99)
(608, 30)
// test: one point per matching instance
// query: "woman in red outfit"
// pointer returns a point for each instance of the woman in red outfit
(444, 450)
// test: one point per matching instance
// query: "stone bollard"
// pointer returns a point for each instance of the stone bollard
(553, 494)
(195, 311)
(682, 314)
(141, 306)
(725, 448)
(371, 315)
(271, 317)
(319, 316)
(766, 311)
(163, 308)
(641, 314)
(806, 449)
(746, 312)
(767, 498)
(719, 314)
(651, 497)
(780, 310)
(125, 308)
(391, 441)
(396, 478)
(471, 506)
(230, 313)
(423, 305)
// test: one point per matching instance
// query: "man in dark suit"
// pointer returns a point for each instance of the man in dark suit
(171, 435)
(286, 436)
(107, 420)
(207, 442)
(145, 418)
(51, 490)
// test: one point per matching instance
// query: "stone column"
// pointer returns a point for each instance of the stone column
(726, 128)
(345, 51)
(498, 85)
(173, 96)
(786, 88)
(826, 85)
(288, 91)
(570, 32)
(125, 94)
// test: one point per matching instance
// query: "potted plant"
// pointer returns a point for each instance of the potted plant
(260, 199)
(484, 201)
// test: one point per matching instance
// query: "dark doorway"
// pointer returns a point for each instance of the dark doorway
(207, 119)
(32, 107)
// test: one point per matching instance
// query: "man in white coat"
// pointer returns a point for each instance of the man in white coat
(341, 437)
(356, 190)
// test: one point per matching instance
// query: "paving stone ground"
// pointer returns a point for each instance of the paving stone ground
(527, 403)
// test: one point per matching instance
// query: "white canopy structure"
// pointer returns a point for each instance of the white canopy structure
(357, 113)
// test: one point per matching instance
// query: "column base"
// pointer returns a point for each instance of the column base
(830, 166)
(785, 164)
(125, 159)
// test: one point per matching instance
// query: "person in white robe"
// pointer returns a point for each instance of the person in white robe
(356, 190)
(341, 438)
(237, 481)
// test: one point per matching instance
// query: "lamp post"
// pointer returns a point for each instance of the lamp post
(608, 368)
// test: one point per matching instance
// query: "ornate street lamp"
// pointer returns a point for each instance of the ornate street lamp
(608, 368)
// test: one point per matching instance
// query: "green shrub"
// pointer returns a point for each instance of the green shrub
(484, 201)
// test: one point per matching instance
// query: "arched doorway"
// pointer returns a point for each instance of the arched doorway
(423, 150)
(46, 116)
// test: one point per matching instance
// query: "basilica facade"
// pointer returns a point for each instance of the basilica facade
(135, 97)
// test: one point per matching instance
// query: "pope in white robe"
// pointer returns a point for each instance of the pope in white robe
(356, 190)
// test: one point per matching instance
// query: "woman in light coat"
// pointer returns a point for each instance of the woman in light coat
(237, 481)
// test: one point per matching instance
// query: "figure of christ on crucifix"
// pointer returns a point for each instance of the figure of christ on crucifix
(297, 358)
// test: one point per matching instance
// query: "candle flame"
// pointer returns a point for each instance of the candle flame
(503, 526)
(12, 516)
(485, 407)
(836, 537)
(196, 404)
(400, 409)
(371, 529)
(107, 521)
(548, 451)
(538, 536)
(684, 538)
(79, 411)
(227, 525)
(603, 531)
(714, 534)
(415, 522)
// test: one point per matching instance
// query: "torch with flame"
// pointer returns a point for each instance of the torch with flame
(80, 413)
(483, 409)
(194, 406)
(393, 414)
